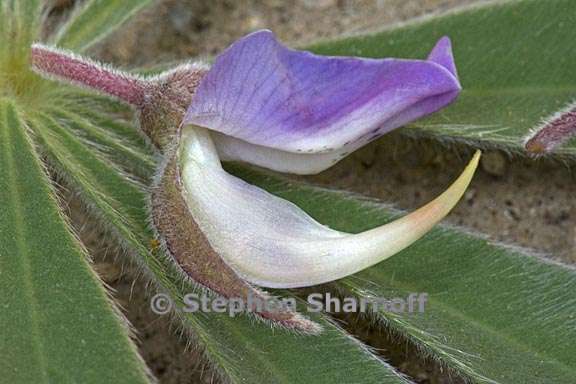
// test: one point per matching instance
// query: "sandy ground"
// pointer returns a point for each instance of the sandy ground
(515, 200)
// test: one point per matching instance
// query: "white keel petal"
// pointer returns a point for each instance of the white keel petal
(273, 243)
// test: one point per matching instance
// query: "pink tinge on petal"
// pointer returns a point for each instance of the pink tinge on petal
(263, 93)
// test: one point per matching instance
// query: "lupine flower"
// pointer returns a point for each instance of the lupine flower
(286, 110)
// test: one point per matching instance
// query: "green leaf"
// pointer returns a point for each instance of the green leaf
(57, 321)
(515, 60)
(94, 20)
(244, 351)
(20, 24)
(109, 141)
(495, 313)
(18, 28)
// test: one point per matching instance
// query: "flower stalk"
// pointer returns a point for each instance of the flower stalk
(159, 101)
(65, 66)
(553, 134)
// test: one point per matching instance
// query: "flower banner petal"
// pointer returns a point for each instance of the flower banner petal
(266, 94)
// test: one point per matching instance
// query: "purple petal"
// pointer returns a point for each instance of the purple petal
(442, 54)
(263, 93)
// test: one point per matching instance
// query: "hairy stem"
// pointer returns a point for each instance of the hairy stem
(553, 134)
(66, 66)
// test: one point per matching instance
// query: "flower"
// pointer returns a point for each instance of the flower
(286, 110)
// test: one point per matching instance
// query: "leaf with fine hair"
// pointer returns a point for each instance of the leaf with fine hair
(109, 143)
(94, 20)
(494, 313)
(26, 14)
(515, 61)
(268, 355)
(58, 324)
